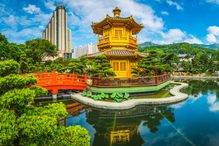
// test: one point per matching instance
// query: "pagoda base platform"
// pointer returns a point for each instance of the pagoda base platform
(141, 89)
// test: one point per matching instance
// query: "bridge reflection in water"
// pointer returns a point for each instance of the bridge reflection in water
(117, 127)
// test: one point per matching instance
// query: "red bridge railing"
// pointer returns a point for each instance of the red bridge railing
(54, 81)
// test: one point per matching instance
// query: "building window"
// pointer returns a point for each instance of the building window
(118, 32)
(122, 66)
(116, 66)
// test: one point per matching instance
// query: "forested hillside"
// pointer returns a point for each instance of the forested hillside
(179, 48)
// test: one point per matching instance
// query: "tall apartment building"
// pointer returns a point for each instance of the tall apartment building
(85, 50)
(58, 33)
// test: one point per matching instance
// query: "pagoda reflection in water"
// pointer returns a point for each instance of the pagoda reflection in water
(121, 127)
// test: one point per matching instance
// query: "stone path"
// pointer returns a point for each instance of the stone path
(175, 91)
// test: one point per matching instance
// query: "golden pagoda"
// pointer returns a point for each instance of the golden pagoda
(117, 40)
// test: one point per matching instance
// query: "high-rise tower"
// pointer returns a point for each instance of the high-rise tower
(57, 31)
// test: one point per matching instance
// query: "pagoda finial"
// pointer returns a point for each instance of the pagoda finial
(116, 12)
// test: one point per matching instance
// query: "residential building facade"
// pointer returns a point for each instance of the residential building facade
(58, 33)
(84, 50)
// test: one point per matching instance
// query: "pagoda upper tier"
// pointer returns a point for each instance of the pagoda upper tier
(117, 32)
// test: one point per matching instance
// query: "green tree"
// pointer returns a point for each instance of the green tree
(10, 50)
(217, 55)
(100, 67)
(22, 123)
(3, 46)
(156, 63)
(37, 49)
(14, 51)
(78, 66)
(186, 66)
(9, 66)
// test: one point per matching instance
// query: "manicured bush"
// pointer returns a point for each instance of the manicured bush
(118, 97)
(72, 136)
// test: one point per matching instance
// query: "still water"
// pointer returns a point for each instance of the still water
(194, 122)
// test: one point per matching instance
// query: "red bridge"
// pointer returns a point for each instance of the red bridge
(57, 81)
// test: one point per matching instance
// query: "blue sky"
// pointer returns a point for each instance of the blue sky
(165, 21)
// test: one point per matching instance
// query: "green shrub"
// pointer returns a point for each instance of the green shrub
(72, 136)
(118, 97)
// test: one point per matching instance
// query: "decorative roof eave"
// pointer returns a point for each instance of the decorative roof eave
(94, 55)
(98, 26)
(125, 53)
(116, 19)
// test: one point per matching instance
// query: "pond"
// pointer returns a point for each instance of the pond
(193, 122)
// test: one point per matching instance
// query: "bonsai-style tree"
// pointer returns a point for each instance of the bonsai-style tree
(78, 66)
(101, 67)
(22, 123)
(156, 63)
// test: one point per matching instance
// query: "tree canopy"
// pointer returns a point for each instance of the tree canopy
(156, 63)
(39, 48)
(100, 67)
(30, 56)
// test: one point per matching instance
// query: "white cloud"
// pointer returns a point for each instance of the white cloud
(211, 99)
(211, 38)
(164, 13)
(177, 5)
(214, 105)
(15, 21)
(41, 18)
(144, 13)
(50, 5)
(3, 10)
(213, 30)
(22, 35)
(95, 11)
(176, 36)
(193, 40)
(213, 1)
(213, 34)
(10, 20)
(31, 9)
(172, 36)
(41, 27)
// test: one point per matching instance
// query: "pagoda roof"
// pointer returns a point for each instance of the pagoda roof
(118, 53)
(128, 22)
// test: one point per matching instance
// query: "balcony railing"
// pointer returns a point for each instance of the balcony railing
(130, 82)
(107, 39)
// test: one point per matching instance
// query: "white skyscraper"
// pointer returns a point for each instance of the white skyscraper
(58, 33)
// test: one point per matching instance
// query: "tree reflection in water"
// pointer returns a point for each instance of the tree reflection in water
(197, 87)
(121, 127)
